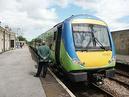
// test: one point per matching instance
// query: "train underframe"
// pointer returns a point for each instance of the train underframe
(96, 75)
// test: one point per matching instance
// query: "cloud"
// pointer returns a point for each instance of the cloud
(7, 5)
(62, 3)
(110, 11)
(36, 16)
(32, 17)
(86, 4)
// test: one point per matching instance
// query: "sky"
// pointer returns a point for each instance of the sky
(31, 18)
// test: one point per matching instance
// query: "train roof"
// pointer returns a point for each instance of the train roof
(86, 16)
(80, 16)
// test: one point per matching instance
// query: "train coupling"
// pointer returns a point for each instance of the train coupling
(110, 73)
(97, 79)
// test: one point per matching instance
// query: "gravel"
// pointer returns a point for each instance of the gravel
(122, 78)
(115, 88)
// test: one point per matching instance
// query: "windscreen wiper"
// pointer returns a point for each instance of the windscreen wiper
(101, 45)
(95, 40)
(88, 44)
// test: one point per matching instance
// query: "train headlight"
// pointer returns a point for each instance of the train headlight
(113, 59)
(76, 61)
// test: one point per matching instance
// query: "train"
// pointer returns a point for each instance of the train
(82, 48)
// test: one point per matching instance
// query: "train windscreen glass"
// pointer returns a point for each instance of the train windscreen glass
(90, 36)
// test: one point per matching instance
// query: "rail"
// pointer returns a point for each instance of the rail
(103, 90)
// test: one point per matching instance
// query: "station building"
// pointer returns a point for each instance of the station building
(121, 40)
(7, 39)
(1, 39)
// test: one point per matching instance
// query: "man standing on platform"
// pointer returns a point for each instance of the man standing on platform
(44, 56)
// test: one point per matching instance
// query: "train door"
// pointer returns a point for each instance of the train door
(58, 43)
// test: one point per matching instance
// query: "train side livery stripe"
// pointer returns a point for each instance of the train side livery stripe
(89, 21)
(66, 60)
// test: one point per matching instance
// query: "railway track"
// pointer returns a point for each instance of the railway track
(94, 90)
(83, 90)
(121, 72)
(122, 67)
(109, 94)
(91, 90)
(120, 82)
(122, 78)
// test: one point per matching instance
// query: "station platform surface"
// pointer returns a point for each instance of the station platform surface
(16, 75)
(122, 59)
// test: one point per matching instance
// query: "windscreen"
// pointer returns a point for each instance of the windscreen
(90, 36)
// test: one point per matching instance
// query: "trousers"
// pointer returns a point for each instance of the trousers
(42, 66)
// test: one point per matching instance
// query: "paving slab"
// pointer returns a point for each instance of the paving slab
(16, 75)
(52, 88)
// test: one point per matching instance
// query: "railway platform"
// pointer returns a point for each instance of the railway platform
(17, 69)
(16, 75)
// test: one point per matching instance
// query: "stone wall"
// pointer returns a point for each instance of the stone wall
(5, 39)
(121, 40)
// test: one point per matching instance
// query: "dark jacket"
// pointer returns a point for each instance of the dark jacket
(44, 53)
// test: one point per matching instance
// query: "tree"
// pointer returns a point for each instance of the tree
(21, 38)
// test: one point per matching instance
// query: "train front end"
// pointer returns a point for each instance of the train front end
(91, 48)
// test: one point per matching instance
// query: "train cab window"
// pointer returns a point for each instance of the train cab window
(90, 36)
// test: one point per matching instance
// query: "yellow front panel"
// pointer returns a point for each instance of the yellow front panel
(96, 59)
